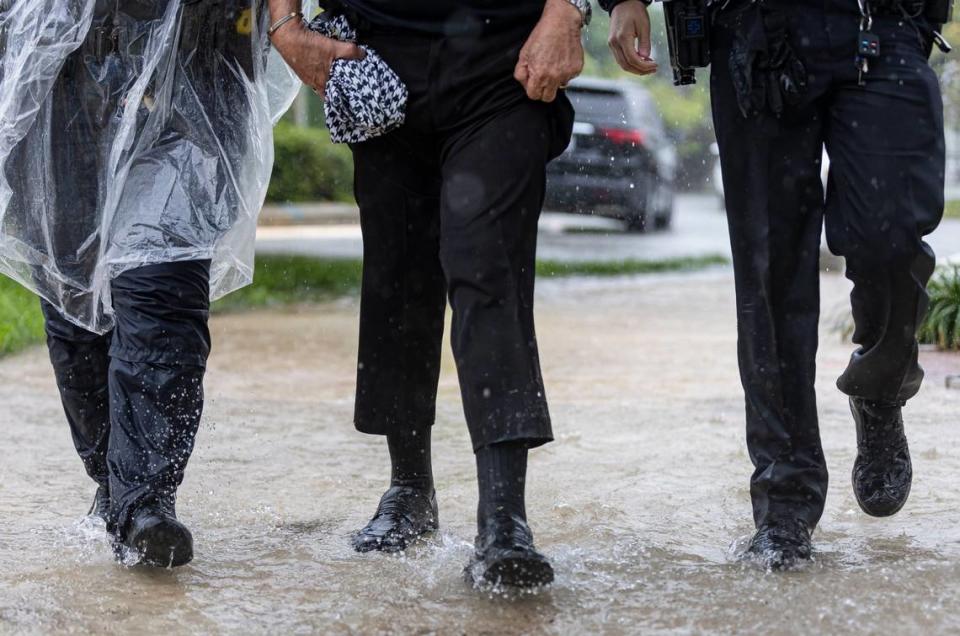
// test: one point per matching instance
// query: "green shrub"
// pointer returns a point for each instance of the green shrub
(309, 167)
(941, 326)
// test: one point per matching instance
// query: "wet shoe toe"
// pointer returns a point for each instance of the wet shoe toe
(782, 546)
(159, 539)
(511, 568)
(403, 516)
(505, 556)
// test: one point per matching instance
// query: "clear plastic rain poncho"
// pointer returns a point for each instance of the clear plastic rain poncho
(132, 132)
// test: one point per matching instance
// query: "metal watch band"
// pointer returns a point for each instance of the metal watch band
(586, 12)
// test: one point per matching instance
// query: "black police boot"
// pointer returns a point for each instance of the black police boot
(882, 473)
(782, 545)
(158, 538)
(505, 555)
(404, 515)
(101, 504)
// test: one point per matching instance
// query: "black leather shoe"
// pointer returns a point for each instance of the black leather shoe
(404, 515)
(882, 473)
(158, 538)
(782, 545)
(101, 504)
(505, 555)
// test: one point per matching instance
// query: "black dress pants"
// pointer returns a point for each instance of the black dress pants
(885, 193)
(449, 205)
(134, 396)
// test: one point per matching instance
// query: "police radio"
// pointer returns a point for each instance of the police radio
(688, 36)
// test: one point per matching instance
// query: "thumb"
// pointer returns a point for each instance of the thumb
(348, 51)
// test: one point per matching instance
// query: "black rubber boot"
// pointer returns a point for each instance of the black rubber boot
(882, 473)
(781, 546)
(158, 538)
(505, 555)
(101, 504)
(404, 515)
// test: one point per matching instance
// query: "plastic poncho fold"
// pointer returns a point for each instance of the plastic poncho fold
(132, 132)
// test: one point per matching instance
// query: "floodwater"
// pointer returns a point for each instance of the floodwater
(642, 502)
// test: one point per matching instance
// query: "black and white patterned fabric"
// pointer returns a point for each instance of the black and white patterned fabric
(364, 98)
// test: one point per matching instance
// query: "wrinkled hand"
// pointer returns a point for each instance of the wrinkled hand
(630, 37)
(553, 54)
(311, 55)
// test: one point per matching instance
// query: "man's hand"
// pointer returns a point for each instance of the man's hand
(630, 37)
(553, 54)
(311, 55)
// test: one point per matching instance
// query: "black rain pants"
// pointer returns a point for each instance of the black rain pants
(134, 396)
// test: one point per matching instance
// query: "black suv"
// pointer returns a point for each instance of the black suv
(620, 163)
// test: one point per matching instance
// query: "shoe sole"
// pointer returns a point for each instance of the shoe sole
(516, 572)
(164, 546)
(873, 513)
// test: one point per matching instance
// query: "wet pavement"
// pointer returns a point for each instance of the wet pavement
(638, 502)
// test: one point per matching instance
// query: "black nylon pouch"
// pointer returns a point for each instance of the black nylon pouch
(766, 72)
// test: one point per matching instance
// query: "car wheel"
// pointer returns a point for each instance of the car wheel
(641, 209)
(665, 218)
(663, 221)
(636, 223)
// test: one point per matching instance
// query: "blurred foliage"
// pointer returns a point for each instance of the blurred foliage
(948, 67)
(953, 210)
(941, 326)
(940, 59)
(308, 167)
(21, 323)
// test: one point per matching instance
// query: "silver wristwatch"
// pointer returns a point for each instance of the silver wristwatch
(583, 6)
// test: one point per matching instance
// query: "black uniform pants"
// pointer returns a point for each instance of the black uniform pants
(134, 396)
(885, 193)
(449, 205)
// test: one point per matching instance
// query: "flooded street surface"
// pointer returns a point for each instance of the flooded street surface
(638, 501)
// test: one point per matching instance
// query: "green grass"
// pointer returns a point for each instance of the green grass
(288, 280)
(21, 323)
(554, 269)
(953, 210)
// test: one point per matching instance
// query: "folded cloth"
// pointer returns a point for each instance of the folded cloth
(364, 98)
